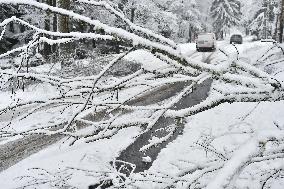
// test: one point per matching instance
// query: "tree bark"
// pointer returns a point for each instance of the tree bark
(54, 23)
(63, 21)
(281, 24)
(132, 14)
(63, 26)
(276, 27)
(190, 33)
(54, 28)
(47, 47)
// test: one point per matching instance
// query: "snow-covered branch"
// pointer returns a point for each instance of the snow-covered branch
(96, 106)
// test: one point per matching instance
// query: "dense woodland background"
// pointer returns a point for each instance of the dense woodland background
(179, 20)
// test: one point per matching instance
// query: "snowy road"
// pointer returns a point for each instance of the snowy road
(15, 151)
(97, 155)
(132, 153)
(10, 155)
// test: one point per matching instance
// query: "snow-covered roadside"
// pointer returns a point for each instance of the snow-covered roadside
(224, 129)
(95, 156)
(187, 49)
(216, 134)
(32, 92)
(45, 91)
(60, 160)
(219, 128)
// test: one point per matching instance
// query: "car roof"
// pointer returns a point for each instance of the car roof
(236, 35)
(206, 34)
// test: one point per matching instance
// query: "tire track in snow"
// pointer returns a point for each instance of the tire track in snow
(17, 150)
(132, 153)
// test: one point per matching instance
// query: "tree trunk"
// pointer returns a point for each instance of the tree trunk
(132, 14)
(54, 28)
(63, 27)
(281, 22)
(63, 21)
(190, 33)
(47, 47)
(11, 27)
(276, 28)
(54, 22)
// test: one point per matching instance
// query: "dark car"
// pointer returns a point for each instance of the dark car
(236, 38)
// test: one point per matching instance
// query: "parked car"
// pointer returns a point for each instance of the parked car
(236, 38)
(206, 42)
(268, 39)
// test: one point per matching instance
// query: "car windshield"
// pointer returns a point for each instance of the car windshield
(205, 37)
(236, 36)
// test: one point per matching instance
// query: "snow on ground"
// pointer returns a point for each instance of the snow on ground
(147, 60)
(223, 129)
(38, 91)
(55, 159)
(218, 128)
(187, 48)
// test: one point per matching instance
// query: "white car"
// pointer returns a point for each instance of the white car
(268, 40)
(206, 42)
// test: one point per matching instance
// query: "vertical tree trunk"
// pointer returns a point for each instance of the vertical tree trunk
(265, 20)
(63, 21)
(63, 27)
(190, 33)
(281, 24)
(11, 27)
(54, 22)
(276, 27)
(47, 47)
(132, 14)
(54, 28)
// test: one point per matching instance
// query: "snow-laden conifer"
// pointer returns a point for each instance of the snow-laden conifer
(225, 13)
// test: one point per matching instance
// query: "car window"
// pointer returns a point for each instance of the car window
(205, 37)
(236, 36)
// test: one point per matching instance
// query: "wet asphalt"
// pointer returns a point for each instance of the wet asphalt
(132, 153)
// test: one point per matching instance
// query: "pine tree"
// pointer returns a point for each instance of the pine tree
(189, 16)
(281, 21)
(263, 21)
(225, 13)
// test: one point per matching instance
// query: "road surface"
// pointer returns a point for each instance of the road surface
(132, 154)
(15, 151)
